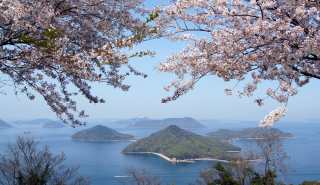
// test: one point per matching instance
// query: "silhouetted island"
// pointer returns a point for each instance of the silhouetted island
(100, 133)
(4, 124)
(34, 122)
(176, 144)
(28, 132)
(129, 121)
(209, 121)
(54, 124)
(246, 133)
(185, 123)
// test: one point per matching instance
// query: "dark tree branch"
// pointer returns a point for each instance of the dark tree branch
(304, 73)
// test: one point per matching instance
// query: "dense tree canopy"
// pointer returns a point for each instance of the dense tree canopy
(271, 39)
(71, 42)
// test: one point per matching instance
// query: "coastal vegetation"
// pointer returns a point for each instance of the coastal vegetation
(174, 142)
(240, 170)
(185, 123)
(310, 183)
(273, 163)
(100, 133)
(246, 133)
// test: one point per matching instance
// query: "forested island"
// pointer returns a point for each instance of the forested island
(185, 123)
(4, 124)
(177, 144)
(54, 124)
(100, 133)
(246, 133)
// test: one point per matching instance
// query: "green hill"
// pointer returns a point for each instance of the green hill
(54, 124)
(225, 134)
(185, 123)
(4, 124)
(175, 142)
(100, 133)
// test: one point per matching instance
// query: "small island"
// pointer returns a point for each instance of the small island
(54, 124)
(177, 145)
(4, 124)
(184, 123)
(100, 133)
(28, 132)
(226, 135)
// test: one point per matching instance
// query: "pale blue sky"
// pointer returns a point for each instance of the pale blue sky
(206, 101)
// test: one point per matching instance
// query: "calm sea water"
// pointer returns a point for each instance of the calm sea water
(104, 162)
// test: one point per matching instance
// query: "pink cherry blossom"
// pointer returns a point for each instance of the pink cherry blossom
(271, 39)
(71, 42)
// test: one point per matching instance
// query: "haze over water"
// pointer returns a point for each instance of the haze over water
(104, 162)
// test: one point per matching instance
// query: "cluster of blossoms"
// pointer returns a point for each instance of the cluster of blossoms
(273, 116)
(71, 42)
(272, 39)
(227, 91)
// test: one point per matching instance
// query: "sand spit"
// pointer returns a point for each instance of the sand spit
(174, 160)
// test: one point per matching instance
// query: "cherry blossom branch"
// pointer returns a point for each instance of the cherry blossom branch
(277, 40)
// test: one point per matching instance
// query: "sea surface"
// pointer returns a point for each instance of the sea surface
(104, 163)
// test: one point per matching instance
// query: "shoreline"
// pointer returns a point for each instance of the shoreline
(100, 140)
(173, 160)
(265, 138)
(235, 139)
(235, 151)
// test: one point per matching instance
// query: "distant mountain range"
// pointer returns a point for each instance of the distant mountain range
(100, 133)
(174, 142)
(34, 122)
(225, 134)
(209, 121)
(129, 121)
(54, 124)
(4, 124)
(185, 123)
